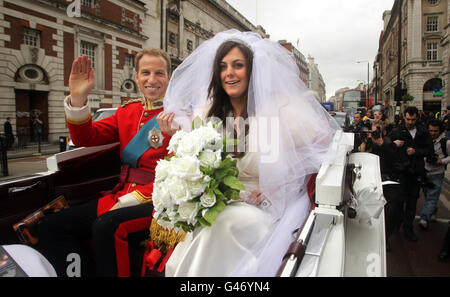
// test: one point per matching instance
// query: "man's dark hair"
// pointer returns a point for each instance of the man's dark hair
(411, 110)
(436, 123)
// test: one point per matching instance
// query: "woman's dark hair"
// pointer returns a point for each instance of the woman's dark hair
(221, 106)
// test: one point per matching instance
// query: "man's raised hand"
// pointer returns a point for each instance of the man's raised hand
(81, 81)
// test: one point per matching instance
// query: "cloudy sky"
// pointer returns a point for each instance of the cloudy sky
(337, 33)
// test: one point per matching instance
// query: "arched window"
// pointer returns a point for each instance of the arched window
(432, 84)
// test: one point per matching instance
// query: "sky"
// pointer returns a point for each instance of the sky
(337, 33)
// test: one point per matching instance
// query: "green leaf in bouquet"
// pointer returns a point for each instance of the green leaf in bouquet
(233, 182)
(220, 205)
(197, 123)
(167, 158)
(227, 163)
(219, 195)
(203, 222)
(235, 195)
(210, 215)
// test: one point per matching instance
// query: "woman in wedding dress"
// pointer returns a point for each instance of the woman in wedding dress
(253, 86)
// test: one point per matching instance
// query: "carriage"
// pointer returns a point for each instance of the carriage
(343, 235)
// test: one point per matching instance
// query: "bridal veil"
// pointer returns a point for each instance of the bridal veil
(293, 133)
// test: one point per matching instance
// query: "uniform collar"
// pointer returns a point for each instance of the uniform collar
(156, 104)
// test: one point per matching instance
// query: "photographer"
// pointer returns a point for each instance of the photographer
(379, 144)
(411, 144)
(360, 129)
(435, 166)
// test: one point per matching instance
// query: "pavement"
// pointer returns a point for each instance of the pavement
(32, 150)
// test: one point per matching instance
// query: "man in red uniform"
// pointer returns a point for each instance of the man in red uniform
(127, 208)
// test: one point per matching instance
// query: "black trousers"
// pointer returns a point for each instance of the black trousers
(410, 189)
(77, 233)
(393, 209)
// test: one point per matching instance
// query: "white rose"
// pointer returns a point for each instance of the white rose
(186, 167)
(188, 211)
(196, 187)
(175, 140)
(166, 224)
(161, 197)
(207, 200)
(189, 145)
(178, 189)
(162, 170)
(209, 158)
(209, 136)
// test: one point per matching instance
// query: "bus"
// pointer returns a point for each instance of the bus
(353, 100)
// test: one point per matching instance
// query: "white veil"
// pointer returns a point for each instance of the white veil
(294, 132)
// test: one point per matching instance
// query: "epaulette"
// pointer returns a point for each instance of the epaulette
(133, 101)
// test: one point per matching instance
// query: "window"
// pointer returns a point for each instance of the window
(432, 24)
(88, 49)
(189, 45)
(31, 37)
(129, 60)
(432, 51)
(87, 3)
(433, 2)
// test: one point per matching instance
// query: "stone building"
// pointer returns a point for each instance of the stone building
(39, 39)
(316, 82)
(299, 59)
(417, 63)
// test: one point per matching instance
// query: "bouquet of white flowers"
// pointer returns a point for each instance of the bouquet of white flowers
(196, 181)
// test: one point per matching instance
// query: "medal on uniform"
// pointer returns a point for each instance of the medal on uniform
(155, 138)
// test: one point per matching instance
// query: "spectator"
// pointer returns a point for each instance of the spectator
(368, 115)
(8, 133)
(446, 121)
(357, 127)
(379, 144)
(411, 143)
(37, 128)
(435, 165)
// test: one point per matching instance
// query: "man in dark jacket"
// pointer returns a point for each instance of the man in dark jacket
(8, 133)
(411, 143)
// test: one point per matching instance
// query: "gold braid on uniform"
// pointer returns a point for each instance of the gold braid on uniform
(164, 239)
(141, 100)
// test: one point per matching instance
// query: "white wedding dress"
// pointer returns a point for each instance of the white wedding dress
(227, 247)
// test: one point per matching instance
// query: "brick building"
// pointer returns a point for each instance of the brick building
(39, 39)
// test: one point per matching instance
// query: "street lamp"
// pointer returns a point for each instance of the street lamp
(367, 88)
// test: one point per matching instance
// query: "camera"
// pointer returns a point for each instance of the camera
(432, 159)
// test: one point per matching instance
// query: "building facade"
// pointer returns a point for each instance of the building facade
(316, 83)
(299, 59)
(413, 57)
(39, 39)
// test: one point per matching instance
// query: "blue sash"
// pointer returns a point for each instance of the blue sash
(139, 144)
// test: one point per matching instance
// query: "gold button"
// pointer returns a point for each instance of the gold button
(146, 114)
(133, 185)
(142, 124)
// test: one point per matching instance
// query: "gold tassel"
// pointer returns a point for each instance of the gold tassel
(163, 238)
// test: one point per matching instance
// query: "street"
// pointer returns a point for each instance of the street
(406, 258)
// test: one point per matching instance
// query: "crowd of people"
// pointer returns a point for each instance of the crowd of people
(413, 152)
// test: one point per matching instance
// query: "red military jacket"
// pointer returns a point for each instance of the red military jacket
(122, 127)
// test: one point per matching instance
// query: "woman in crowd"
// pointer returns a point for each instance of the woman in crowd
(283, 133)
